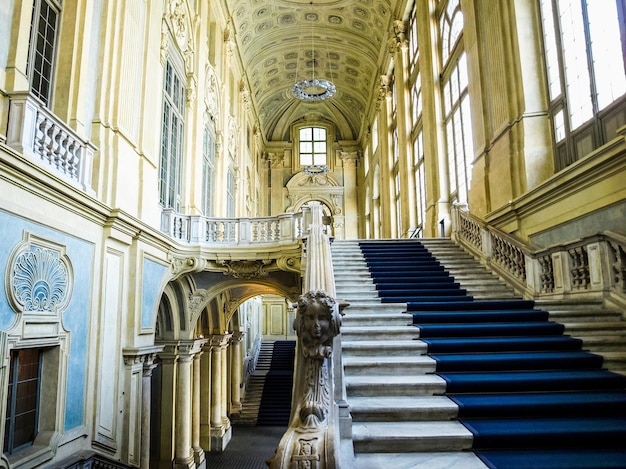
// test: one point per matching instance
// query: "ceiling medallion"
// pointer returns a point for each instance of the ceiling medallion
(313, 90)
(316, 169)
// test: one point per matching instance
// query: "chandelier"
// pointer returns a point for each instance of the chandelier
(314, 89)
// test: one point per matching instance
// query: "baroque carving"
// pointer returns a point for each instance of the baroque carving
(307, 440)
(39, 279)
(196, 301)
(245, 269)
(317, 323)
(178, 19)
(182, 265)
(292, 264)
(212, 93)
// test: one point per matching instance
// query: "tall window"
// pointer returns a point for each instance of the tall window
(457, 123)
(42, 52)
(22, 412)
(230, 192)
(585, 50)
(172, 132)
(312, 146)
(415, 83)
(208, 170)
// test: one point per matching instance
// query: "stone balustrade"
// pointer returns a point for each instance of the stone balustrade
(38, 134)
(198, 229)
(593, 267)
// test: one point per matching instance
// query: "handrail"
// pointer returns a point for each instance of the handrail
(37, 133)
(313, 436)
(593, 266)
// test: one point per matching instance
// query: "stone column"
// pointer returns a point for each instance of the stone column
(169, 362)
(140, 362)
(404, 123)
(182, 445)
(224, 380)
(350, 194)
(205, 399)
(198, 452)
(146, 385)
(220, 432)
(235, 372)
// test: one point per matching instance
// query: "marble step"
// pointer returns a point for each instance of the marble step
(386, 332)
(423, 460)
(372, 385)
(367, 348)
(383, 365)
(577, 329)
(358, 306)
(402, 408)
(376, 319)
(410, 436)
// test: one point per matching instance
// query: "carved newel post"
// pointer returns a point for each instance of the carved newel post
(312, 441)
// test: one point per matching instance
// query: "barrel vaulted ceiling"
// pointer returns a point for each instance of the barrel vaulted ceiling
(276, 40)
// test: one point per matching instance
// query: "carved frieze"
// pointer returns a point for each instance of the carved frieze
(245, 269)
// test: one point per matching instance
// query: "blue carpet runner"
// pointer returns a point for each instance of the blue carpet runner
(530, 395)
(275, 406)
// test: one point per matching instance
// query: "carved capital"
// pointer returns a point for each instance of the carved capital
(237, 337)
(349, 158)
(219, 341)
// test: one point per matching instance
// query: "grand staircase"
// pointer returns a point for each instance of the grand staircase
(268, 396)
(427, 348)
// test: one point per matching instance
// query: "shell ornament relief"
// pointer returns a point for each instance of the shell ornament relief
(40, 280)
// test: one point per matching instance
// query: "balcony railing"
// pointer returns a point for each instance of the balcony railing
(198, 229)
(38, 134)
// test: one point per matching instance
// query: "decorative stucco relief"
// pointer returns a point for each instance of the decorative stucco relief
(39, 277)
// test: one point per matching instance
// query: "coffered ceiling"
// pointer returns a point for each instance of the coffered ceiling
(282, 42)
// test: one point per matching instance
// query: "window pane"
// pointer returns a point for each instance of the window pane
(575, 62)
(306, 134)
(559, 126)
(320, 159)
(22, 409)
(172, 139)
(42, 53)
(306, 147)
(606, 49)
(319, 133)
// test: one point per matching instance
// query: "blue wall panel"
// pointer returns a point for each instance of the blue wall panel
(76, 315)
(153, 274)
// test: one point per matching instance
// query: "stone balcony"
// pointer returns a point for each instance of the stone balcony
(38, 134)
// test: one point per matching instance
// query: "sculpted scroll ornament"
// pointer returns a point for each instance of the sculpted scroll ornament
(40, 280)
